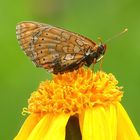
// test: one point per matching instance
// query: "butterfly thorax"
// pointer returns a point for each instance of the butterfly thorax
(94, 54)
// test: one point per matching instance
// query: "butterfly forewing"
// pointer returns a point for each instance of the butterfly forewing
(52, 48)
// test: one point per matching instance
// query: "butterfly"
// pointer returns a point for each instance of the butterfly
(56, 49)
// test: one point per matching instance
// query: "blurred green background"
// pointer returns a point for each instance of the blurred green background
(92, 18)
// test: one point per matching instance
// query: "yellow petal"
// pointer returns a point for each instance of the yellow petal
(125, 130)
(99, 123)
(50, 127)
(27, 127)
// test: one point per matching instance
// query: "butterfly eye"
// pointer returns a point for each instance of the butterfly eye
(101, 49)
(42, 38)
(39, 45)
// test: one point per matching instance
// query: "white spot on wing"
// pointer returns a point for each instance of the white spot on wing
(79, 42)
(65, 35)
(18, 27)
(88, 52)
(69, 57)
(76, 49)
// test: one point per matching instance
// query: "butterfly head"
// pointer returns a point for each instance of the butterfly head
(100, 51)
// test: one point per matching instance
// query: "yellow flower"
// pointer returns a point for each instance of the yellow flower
(92, 98)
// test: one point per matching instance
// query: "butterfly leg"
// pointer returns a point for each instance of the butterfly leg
(101, 64)
(94, 62)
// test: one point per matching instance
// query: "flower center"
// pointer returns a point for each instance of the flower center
(75, 91)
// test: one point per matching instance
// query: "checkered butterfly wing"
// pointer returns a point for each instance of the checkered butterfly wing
(52, 48)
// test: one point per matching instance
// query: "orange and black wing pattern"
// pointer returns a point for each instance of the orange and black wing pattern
(53, 48)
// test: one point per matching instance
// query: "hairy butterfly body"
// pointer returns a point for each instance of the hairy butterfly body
(56, 49)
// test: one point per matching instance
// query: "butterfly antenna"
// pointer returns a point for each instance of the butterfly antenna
(117, 35)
